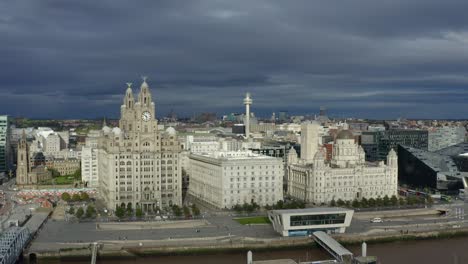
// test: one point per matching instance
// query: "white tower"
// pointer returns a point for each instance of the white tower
(247, 102)
(309, 141)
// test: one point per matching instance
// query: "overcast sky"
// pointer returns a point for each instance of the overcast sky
(371, 59)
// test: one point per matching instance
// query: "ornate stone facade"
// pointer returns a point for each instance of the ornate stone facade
(347, 176)
(138, 164)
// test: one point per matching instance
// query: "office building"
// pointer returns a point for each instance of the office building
(442, 137)
(347, 176)
(5, 158)
(377, 144)
(225, 179)
(139, 164)
(303, 222)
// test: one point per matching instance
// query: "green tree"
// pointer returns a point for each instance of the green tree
(66, 197)
(411, 200)
(379, 202)
(248, 208)
(76, 197)
(120, 212)
(394, 200)
(356, 203)
(79, 213)
(186, 211)
(71, 210)
(279, 204)
(77, 175)
(372, 202)
(255, 206)
(237, 208)
(139, 212)
(54, 172)
(402, 201)
(84, 196)
(176, 210)
(195, 210)
(333, 203)
(348, 204)
(386, 200)
(364, 203)
(340, 202)
(90, 211)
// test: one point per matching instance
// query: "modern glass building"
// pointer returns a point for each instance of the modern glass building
(377, 144)
(4, 144)
(303, 222)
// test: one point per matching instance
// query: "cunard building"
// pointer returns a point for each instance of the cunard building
(138, 162)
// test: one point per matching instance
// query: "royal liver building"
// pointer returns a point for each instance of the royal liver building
(139, 164)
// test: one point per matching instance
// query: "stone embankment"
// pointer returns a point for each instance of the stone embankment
(132, 249)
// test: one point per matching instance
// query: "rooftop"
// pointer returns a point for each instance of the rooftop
(438, 161)
(312, 210)
(332, 244)
(234, 155)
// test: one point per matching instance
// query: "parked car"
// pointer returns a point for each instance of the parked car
(376, 220)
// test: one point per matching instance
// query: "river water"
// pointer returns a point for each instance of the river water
(443, 251)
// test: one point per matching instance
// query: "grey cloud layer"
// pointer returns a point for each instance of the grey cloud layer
(377, 59)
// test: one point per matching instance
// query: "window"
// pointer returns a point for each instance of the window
(322, 219)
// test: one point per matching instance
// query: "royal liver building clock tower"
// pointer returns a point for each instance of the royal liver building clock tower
(138, 163)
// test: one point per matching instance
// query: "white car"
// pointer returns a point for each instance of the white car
(376, 220)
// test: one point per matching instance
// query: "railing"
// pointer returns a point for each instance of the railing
(94, 251)
(12, 243)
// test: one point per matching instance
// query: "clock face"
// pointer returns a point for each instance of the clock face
(146, 116)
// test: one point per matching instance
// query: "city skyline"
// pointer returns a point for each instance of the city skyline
(362, 59)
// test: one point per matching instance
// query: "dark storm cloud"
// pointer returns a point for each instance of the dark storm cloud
(379, 59)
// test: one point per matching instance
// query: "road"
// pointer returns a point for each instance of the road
(11, 210)
(58, 231)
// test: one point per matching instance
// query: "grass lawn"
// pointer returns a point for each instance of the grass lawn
(253, 220)
(60, 180)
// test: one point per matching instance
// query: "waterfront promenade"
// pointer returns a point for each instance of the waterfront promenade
(223, 231)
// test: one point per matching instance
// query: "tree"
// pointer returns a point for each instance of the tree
(195, 210)
(237, 208)
(120, 212)
(386, 200)
(90, 211)
(394, 200)
(84, 196)
(356, 203)
(66, 197)
(402, 201)
(139, 212)
(247, 208)
(72, 210)
(411, 200)
(76, 197)
(129, 209)
(279, 204)
(77, 175)
(340, 202)
(333, 202)
(186, 212)
(176, 210)
(54, 172)
(379, 202)
(371, 202)
(80, 213)
(348, 204)
(364, 203)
